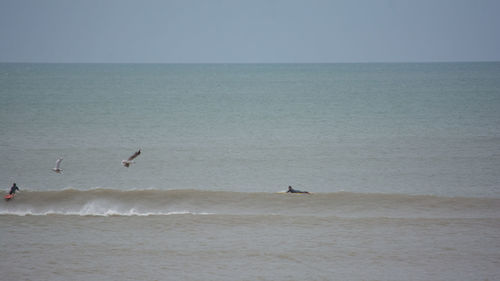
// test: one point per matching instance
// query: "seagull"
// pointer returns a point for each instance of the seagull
(129, 161)
(57, 168)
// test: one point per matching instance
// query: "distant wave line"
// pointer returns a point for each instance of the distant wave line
(102, 201)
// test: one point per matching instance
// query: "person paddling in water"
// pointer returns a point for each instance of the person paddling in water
(291, 190)
(13, 189)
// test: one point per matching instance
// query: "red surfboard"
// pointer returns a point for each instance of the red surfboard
(9, 196)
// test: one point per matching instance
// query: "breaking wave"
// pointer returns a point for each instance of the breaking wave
(113, 202)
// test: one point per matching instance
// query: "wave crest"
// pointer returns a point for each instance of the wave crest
(112, 202)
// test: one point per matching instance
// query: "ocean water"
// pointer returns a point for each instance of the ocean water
(402, 160)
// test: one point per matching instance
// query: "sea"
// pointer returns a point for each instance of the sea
(402, 162)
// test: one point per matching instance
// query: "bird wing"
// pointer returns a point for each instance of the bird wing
(58, 162)
(134, 155)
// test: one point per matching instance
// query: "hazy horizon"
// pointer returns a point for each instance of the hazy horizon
(249, 63)
(223, 31)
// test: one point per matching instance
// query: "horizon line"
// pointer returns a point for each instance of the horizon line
(228, 63)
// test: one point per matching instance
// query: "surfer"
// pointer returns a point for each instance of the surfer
(291, 190)
(13, 189)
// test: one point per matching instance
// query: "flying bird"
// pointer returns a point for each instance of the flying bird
(130, 161)
(57, 168)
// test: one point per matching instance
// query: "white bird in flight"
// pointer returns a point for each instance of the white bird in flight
(129, 161)
(57, 168)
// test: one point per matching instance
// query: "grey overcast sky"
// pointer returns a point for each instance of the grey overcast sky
(253, 31)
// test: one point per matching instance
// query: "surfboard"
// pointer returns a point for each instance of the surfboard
(284, 192)
(9, 196)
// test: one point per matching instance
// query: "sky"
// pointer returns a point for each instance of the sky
(249, 31)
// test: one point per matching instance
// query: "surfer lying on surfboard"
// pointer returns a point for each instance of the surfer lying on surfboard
(291, 190)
